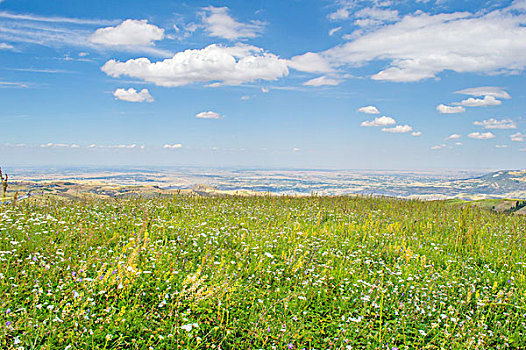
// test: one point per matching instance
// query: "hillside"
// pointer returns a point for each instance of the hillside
(194, 272)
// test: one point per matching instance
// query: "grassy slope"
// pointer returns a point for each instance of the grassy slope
(267, 272)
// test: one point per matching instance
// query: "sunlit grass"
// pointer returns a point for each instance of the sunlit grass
(260, 273)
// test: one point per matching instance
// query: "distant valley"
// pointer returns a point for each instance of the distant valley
(206, 181)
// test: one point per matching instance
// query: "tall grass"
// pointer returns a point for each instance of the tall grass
(260, 273)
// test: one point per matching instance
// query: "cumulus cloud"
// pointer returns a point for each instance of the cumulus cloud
(453, 137)
(399, 129)
(208, 115)
(4, 46)
(369, 110)
(493, 91)
(481, 135)
(422, 45)
(310, 62)
(321, 81)
(439, 146)
(379, 121)
(518, 137)
(497, 124)
(416, 133)
(265, 90)
(131, 32)
(215, 64)
(480, 102)
(131, 95)
(296, 149)
(174, 146)
(219, 23)
(501, 146)
(450, 109)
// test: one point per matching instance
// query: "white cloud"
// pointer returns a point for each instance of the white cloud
(442, 146)
(216, 64)
(422, 45)
(493, 91)
(501, 146)
(450, 109)
(4, 46)
(334, 30)
(497, 124)
(453, 137)
(121, 146)
(174, 146)
(321, 81)
(480, 102)
(399, 129)
(131, 32)
(296, 149)
(265, 90)
(519, 5)
(220, 24)
(369, 110)
(58, 145)
(208, 115)
(35, 18)
(379, 121)
(310, 62)
(12, 84)
(481, 135)
(459, 144)
(518, 137)
(131, 95)
(341, 13)
(416, 133)
(377, 15)
(245, 98)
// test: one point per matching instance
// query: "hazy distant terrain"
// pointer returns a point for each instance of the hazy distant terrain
(416, 184)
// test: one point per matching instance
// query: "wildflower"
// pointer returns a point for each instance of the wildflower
(268, 255)
(76, 294)
(8, 323)
(422, 332)
(7, 311)
(290, 346)
(188, 327)
(17, 340)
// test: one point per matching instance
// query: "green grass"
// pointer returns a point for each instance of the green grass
(260, 273)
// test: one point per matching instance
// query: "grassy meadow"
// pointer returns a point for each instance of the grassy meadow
(262, 272)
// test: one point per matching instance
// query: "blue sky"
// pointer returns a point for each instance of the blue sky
(342, 84)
